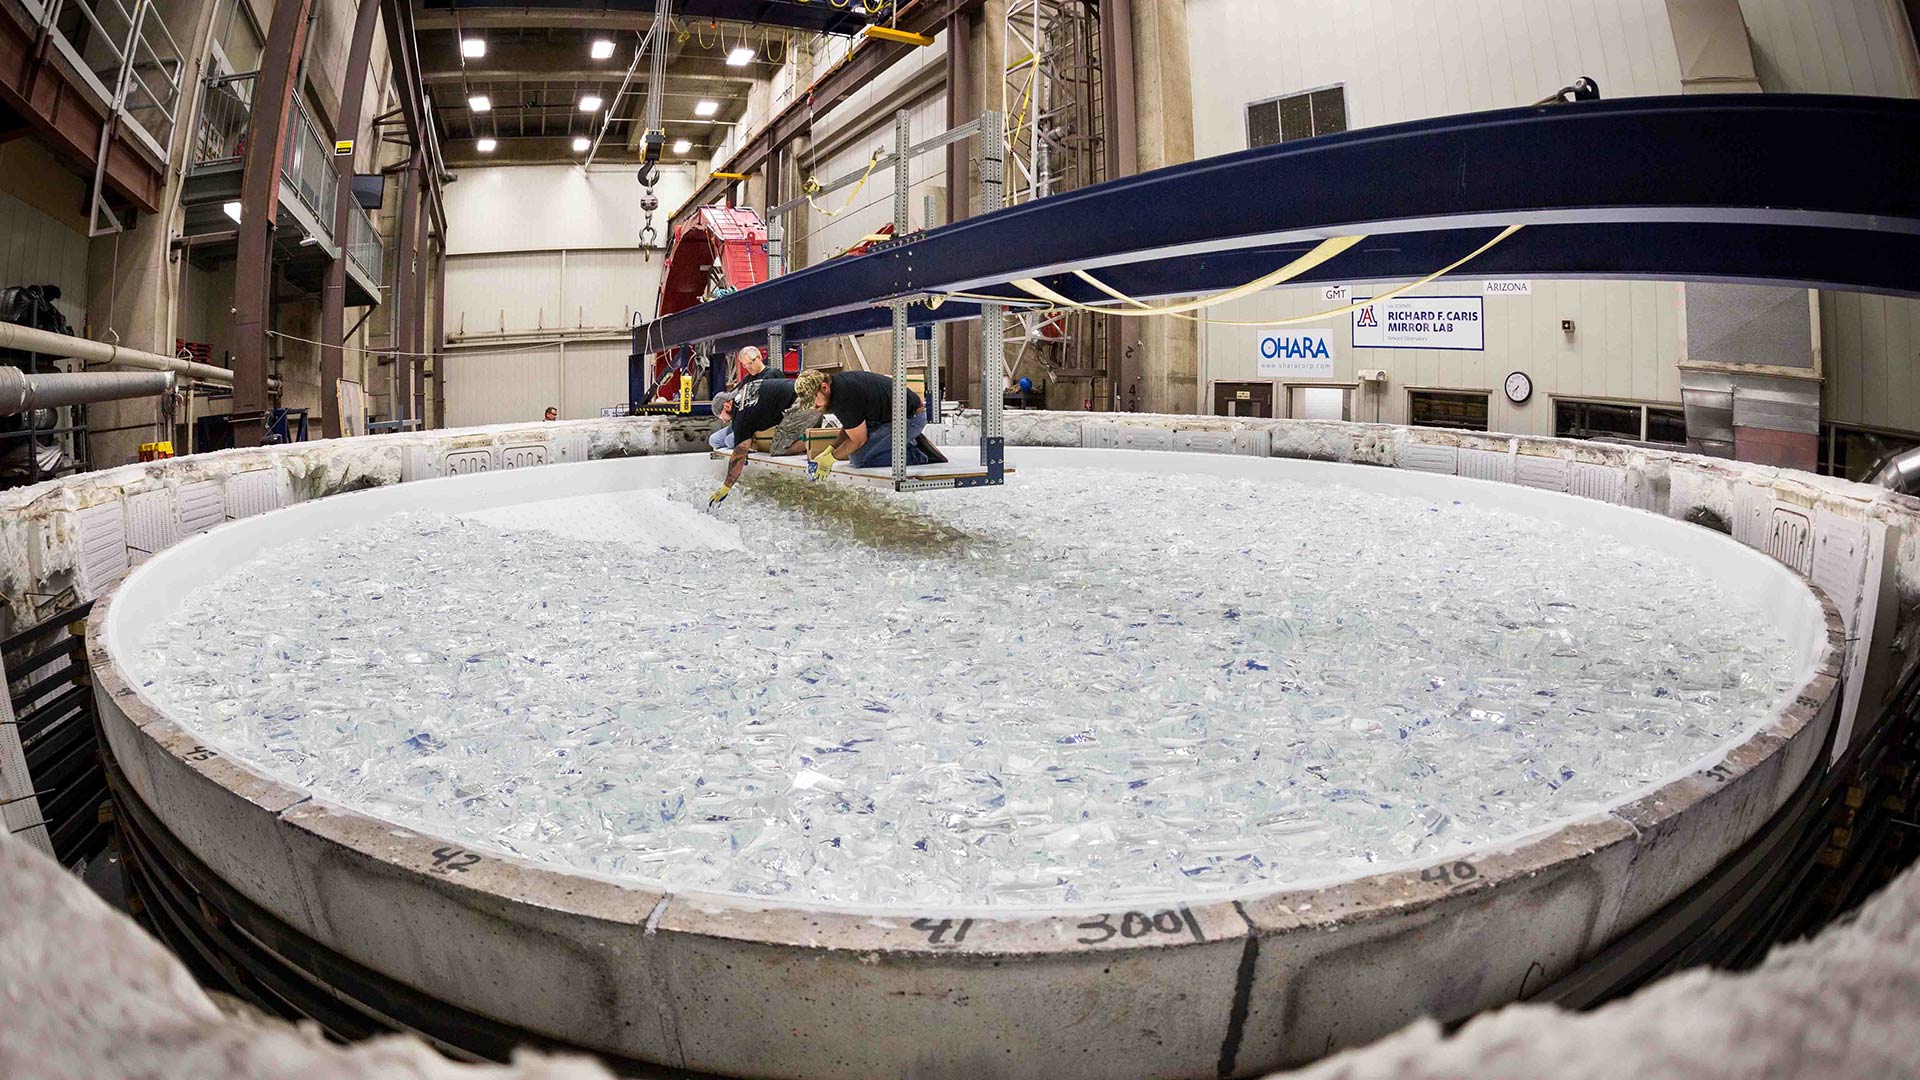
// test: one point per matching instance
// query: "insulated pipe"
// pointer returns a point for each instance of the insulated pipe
(1900, 471)
(28, 339)
(21, 392)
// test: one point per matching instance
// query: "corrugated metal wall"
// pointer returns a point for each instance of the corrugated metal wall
(1402, 61)
(36, 249)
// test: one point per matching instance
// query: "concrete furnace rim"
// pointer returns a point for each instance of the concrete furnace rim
(1385, 893)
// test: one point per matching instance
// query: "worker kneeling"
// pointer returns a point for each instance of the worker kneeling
(757, 405)
(863, 403)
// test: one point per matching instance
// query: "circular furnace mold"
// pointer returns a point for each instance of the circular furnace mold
(723, 984)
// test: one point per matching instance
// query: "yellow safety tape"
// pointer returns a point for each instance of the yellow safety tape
(1320, 254)
(1323, 251)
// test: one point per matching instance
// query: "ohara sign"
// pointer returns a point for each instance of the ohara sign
(1295, 352)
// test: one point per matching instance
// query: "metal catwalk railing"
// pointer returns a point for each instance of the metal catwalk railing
(363, 244)
(226, 108)
(308, 164)
(220, 138)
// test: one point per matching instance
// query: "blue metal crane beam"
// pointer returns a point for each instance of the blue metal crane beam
(1821, 258)
(1783, 188)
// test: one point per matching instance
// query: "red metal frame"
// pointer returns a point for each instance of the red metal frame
(730, 237)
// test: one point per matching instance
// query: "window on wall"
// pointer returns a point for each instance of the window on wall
(1297, 116)
(1441, 408)
(1319, 403)
(1855, 453)
(1574, 419)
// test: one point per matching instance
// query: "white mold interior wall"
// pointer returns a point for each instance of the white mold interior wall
(70, 540)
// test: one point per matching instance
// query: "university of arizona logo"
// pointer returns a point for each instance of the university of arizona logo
(1366, 317)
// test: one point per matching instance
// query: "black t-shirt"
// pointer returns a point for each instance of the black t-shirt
(865, 397)
(759, 405)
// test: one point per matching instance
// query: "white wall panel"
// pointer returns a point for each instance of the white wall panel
(549, 207)
(492, 294)
(36, 249)
(594, 375)
(500, 386)
(1830, 47)
(605, 288)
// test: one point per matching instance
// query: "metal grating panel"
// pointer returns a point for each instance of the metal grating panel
(1203, 442)
(1487, 465)
(1840, 562)
(1430, 459)
(467, 462)
(1545, 473)
(1607, 483)
(1752, 509)
(151, 525)
(103, 547)
(522, 456)
(1257, 443)
(201, 506)
(1100, 436)
(1790, 539)
(256, 492)
(570, 446)
(1146, 439)
(416, 464)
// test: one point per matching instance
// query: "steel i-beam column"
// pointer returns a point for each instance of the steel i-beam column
(440, 333)
(333, 296)
(417, 262)
(963, 104)
(1122, 154)
(259, 205)
(402, 294)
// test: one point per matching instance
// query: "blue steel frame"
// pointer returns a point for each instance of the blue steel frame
(1808, 190)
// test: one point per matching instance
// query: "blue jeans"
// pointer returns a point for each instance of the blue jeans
(721, 439)
(877, 452)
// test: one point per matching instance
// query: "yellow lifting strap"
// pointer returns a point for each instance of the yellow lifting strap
(1320, 254)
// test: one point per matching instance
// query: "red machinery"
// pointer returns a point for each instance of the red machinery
(723, 249)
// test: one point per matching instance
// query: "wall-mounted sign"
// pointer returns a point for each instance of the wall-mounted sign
(1295, 352)
(1506, 287)
(1243, 395)
(1337, 294)
(343, 148)
(1422, 322)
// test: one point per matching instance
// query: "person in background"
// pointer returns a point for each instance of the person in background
(756, 406)
(863, 402)
(552, 413)
(722, 437)
(749, 364)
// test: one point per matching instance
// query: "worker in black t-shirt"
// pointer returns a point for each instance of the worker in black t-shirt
(863, 403)
(760, 404)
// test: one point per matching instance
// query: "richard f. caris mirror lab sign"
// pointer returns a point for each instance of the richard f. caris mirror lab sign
(1295, 352)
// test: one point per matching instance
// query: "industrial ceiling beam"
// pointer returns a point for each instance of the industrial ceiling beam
(529, 61)
(867, 59)
(814, 16)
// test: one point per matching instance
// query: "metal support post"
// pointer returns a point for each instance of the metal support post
(932, 215)
(992, 316)
(776, 265)
(902, 160)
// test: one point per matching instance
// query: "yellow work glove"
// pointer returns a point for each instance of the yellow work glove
(819, 467)
(718, 497)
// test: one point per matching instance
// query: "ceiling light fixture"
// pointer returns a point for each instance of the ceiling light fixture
(473, 48)
(590, 103)
(741, 56)
(602, 48)
(479, 102)
(580, 144)
(681, 146)
(706, 108)
(486, 145)
(233, 211)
